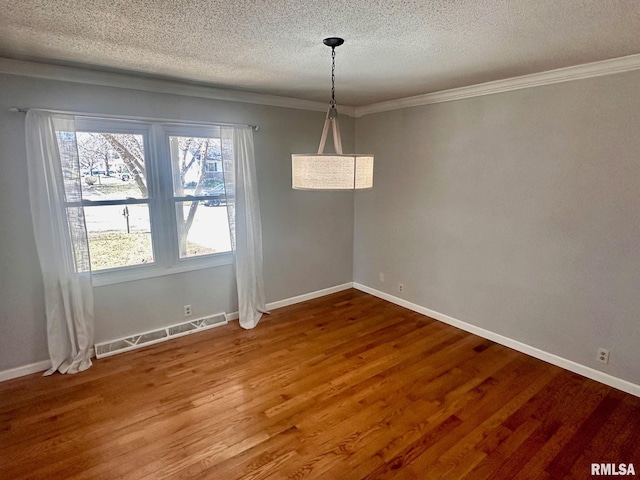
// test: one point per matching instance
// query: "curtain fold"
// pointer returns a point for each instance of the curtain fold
(245, 224)
(61, 239)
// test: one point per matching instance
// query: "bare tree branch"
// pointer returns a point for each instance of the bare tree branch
(134, 163)
(203, 168)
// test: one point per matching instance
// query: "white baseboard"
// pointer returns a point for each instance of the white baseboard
(46, 364)
(570, 365)
(25, 370)
(309, 296)
(300, 298)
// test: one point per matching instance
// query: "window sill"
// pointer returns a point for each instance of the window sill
(151, 271)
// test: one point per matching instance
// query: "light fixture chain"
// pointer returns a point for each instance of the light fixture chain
(333, 77)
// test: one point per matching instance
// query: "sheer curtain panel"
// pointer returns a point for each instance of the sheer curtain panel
(61, 239)
(244, 221)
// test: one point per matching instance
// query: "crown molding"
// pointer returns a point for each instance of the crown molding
(567, 74)
(121, 80)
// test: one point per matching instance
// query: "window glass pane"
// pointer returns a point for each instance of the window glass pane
(112, 165)
(69, 160)
(196, 163)
(203, 228)
(119, 236)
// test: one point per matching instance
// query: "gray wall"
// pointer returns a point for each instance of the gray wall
(308, 236)
(515, 212)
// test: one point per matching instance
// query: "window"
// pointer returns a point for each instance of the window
(116, 198)
(154, 198)
(201, 231)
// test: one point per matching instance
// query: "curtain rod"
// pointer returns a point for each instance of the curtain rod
(131, 118)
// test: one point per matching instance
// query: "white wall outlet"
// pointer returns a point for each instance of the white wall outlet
(400, 288)
(187, 310)
(603, 355)
(381, 277)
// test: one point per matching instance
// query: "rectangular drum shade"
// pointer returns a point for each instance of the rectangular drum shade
(331, 171)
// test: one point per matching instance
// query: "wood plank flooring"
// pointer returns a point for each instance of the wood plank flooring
(347, 386)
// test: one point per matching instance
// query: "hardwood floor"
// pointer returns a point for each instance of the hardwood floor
(343, 387)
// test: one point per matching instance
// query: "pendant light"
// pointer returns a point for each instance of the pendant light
(331, 171)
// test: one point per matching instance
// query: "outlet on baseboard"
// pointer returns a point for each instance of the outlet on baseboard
(603, 355)
(187, 310)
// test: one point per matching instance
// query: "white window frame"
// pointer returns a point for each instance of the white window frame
(161, 201)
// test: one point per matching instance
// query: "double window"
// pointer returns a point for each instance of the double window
(154, 198)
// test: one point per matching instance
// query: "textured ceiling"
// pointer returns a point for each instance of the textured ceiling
(393, 48)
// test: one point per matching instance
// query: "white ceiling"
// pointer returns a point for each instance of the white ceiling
(393, 48)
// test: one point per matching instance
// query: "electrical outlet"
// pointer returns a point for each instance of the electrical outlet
(603, 355)
(400, 288)
(381, 277)
(187, 310)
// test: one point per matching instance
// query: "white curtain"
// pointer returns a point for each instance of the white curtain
(61, 239)
(244, 221)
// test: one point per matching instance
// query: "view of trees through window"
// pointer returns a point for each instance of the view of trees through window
(197, 172)
(116, 194)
